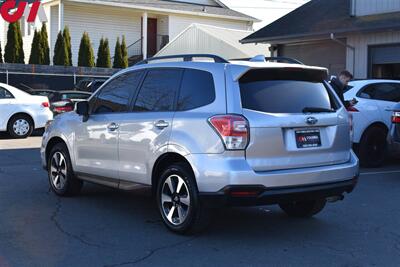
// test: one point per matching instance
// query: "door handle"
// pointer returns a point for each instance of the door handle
(161, 124)
(112, 127)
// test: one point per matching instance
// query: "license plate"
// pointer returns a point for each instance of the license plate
(308, 138)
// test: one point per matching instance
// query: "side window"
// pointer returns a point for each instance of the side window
(383, 91)
(158, 90)
(115, 96)
(197, 90)
(5, 94)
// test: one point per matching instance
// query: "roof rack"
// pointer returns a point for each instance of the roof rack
(277, 59)
(185, 57)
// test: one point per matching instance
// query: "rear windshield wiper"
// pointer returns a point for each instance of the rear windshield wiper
(316, 110)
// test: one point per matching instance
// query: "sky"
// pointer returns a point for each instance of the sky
(265, 10)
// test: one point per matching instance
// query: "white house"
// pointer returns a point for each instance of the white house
(207, 39)
(362, 36)
(148, 25)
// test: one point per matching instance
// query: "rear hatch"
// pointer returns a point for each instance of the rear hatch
(294, 119)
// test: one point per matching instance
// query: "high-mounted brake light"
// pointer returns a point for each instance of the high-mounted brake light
(233, 130)
(396, 117)
(45, 104)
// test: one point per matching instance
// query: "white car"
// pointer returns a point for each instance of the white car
(372, 117)
(21, 113)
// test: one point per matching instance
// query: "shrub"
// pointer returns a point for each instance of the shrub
(86, 54)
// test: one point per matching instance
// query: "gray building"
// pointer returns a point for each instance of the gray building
(362, 36)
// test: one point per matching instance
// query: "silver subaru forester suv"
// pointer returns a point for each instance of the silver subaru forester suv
(208, 134)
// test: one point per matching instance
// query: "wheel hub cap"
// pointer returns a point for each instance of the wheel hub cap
(21, 127)
(175, 199)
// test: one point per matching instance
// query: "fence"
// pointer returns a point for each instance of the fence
(49, 77)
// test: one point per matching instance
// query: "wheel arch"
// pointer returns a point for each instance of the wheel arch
(22, 113)
(378, 124)
(163, 162)
(51, 143)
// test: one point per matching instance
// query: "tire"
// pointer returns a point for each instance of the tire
(20, 126)
(372, 147)
(59, 165)
(303, 209)
(187, 214)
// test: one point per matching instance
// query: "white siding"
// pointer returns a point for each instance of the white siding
(53, 31)
(368, 7)
(178, 23)
(201, 39)
(100, 22)
(361, 43)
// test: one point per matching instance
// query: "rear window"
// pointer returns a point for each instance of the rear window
(288, 91)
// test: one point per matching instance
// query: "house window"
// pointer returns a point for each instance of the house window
(384, 62)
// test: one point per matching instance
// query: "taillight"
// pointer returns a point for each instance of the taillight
(352, 109)
(45, 104)
(233, 130)
(63, 109)
(396, 117)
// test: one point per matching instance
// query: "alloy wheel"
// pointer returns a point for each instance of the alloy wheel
(58, 170)
(175, 199)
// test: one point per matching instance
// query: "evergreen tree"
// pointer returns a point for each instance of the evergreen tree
(124, 51)
(1, 54)
(106, 53)
(12, 47)
(44, 46)
(60, 57)
(20, 51)
(67, 39)
(100, 58)
(103, 54)
(86, 54)
(118, 55)
(35, 56)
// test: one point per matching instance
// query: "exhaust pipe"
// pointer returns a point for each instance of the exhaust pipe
(334, 198)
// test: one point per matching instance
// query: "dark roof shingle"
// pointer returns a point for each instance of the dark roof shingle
(182, 6)
(320, 17)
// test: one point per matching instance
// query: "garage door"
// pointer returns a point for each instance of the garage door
(326, 54)
(384, 62)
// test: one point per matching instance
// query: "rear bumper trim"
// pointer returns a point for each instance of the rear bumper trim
(261, 195)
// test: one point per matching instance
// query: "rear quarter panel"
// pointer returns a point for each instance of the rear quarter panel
(191, 132)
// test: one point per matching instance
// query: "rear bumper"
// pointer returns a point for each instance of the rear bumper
(43, 117)
(216, 172)
(261, 195)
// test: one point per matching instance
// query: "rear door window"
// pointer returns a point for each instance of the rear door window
(158, 91)
(277, 91)
(382, 91)
(5, 94)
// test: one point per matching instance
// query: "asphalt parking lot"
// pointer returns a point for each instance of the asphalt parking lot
(105, 227)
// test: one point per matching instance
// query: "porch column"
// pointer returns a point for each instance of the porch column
(144, 35)
(61, 16)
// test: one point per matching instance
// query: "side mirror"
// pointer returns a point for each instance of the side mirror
(82, 109)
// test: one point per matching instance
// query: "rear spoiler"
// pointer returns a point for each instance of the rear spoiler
(298, 72)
